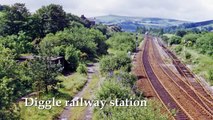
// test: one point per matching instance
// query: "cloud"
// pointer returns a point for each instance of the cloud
(191, 10)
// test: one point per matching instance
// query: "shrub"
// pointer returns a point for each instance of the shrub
(165, 38)
(115, 62)
(122, 42)
(178, 49)
(72, 56)
(82, 69)
(112, 89)
(126, 78)
(175, 40)
(188, 55)
(210, 75)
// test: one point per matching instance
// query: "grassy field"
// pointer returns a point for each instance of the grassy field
(70, 86)
(199, 63)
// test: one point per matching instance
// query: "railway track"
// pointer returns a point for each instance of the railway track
(143, 82)
(182, 84)
(160, 90)
(184, 100)
(201, 92)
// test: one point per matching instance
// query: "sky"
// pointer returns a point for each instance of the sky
(189, 10)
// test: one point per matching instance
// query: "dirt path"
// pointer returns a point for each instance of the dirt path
(68, 111)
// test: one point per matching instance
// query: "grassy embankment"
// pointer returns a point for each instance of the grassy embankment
(199, 63)
(71, 85)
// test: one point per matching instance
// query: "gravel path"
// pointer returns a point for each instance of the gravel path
(65, 115)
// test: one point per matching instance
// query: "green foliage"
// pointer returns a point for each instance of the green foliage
(190, 39)
(181, 33)
(150, 112)
(178, 49)
(82, 69)
(115, 62)
(72, 56)
(7, 64)
(19, 43)
(122, 42)
(187, 55)
(205, 44)
(14, 19)
(75, 19)
(44, 69)
(210, 75)
(175, 40)
(112, 89)
(8, 84)
(52, 18)
(126, 78)
(102, 28)
(165, 38)
(89, 41)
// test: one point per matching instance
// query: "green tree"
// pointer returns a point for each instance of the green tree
(190, 39)
(7, 84)
(45, 69)
(72, 55)
(15, 19)
(175, 40)
(19, 43)
(181, 33)
(122, 42)
(52, 18)
(205, 43)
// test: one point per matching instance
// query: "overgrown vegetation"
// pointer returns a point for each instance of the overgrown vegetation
(36, 48)
(69, 87)
(121, 84)
(196, 48)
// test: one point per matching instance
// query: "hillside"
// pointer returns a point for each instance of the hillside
(131, 23)
(205, 25)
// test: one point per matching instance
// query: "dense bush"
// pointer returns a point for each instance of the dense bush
(151, 112)
(18, 43)
(72, 56)
(112, 89)
(210, 75)
(187, 55)
(122, 42)
(115, 62)
(82, 69)
(165, 38)
(125, 78)
(89, 41)
(178, 49)
(175, 40)
(190, 39)
(205, 43)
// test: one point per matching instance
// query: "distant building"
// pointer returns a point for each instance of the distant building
(90, 22)
(56, 60)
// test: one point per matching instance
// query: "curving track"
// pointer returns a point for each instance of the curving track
(198, 93)
(173, 92)
(161, 91)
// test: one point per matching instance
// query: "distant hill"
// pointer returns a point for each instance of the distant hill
(206, 25)
(131, 23)
(195, 26)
